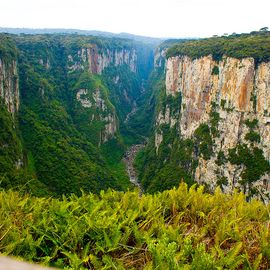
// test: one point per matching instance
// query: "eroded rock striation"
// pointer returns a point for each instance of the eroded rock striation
(227, 96)
(9, 85)
(93, 99)
(96, 60)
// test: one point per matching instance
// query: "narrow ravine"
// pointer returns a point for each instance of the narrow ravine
(129, 158)
(133, 111)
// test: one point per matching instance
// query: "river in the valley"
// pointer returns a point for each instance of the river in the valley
(129, 158)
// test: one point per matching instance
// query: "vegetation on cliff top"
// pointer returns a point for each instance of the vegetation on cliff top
(255, 45)
(8, 50)
(75, 41)
(177, 229)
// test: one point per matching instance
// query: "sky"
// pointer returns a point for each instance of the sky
(155, 18)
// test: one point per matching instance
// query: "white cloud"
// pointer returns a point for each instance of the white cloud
(169, 18)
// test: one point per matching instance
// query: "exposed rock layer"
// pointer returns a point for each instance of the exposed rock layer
(95, 60)
(9, 85)
(93, 99)
(237, 90)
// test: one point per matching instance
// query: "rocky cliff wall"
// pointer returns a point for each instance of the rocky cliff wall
(159, 57)
(236, 92)
(96, 60)
(94, 99)
(10, 146)
(9, 85)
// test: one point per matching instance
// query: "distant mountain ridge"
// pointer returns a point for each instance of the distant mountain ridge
(144, 39)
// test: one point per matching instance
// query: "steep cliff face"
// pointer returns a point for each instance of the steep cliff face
(121, 72)
(97, 109)
(160, 57)
(230, 97)
(11, 154)
(95, 59)
(9, 84)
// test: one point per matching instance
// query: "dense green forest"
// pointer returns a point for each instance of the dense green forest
(177, 229)
(60, 143)
(255, 45)
(66, 158)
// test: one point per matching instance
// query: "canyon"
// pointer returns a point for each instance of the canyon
(63, 108)
(80, 102)
(129, 159)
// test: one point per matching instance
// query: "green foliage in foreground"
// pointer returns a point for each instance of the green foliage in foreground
(176, 229)
(255, 44)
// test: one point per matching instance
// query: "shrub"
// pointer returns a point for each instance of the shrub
(204, 140)
(253, 137)
(252, 124)
(222, 103)
(214, 120)
(221, 159)
(215, 70)
(255, 164)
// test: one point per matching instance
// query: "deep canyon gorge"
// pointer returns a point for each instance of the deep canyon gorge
(71, 105)
(135, 153)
